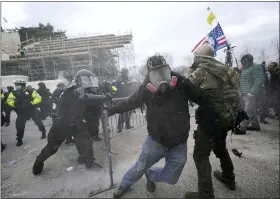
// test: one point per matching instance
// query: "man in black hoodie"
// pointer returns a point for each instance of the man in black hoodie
(166, 95)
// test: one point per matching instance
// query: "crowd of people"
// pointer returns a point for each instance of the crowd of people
(226, 97)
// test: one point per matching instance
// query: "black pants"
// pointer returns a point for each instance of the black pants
(124, 117)
(93, 124)
(56, 137)
(23, 116)
(202, 149)
(8, 111)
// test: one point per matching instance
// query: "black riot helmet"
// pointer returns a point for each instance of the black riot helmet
(86, 79)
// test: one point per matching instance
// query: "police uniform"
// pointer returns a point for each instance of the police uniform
(25, 101)
(71, 121)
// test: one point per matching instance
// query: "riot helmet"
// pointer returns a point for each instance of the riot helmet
(88, 80)
(159, 73)
(20, 84)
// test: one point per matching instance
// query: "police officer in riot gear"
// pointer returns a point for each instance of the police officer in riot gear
(25, 102)
(166, 95)
(71, 120)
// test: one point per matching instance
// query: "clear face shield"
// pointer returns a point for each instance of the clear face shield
(89, 81)
(160, 78)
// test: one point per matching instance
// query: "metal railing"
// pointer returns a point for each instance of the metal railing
(112, 127)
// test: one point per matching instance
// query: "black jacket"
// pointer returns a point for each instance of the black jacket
(71, 109)
(168, 118)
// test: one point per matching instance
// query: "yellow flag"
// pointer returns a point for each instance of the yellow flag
(211, 18)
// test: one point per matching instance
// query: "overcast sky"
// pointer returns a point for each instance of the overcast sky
(174, 28)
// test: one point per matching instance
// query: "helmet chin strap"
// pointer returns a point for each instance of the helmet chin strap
(153, 89)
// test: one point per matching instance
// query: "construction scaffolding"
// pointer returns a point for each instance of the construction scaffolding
(44, 59)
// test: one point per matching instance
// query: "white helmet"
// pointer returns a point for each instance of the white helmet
(19, 81)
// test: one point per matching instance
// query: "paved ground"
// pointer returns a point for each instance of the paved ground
(257, 171)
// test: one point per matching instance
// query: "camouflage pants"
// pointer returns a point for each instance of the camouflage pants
(202, 149)
(56, 137)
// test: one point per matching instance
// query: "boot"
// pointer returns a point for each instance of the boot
(88, 164)
(129, 127)
(3, 146)
(19, 142)
(238, 131)
(151, 186)
(43, 135)
(38, 167)
(192, 195)
(7, 124)
(96, 138)
(69, 141)
(120, 192)
(229, 182)
(262, 120)
(253, 128)
(119, 130)
(81, 160)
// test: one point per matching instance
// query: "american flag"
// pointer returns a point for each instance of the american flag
(216, 38)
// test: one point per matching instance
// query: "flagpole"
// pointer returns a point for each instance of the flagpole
(228, 44)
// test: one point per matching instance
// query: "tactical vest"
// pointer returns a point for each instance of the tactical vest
(224, 94)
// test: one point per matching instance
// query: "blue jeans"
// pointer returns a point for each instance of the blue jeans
(152, 152)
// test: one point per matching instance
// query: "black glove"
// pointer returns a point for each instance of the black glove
(109, 96)
(110, 111)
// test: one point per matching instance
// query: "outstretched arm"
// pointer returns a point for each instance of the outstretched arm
(135, 101)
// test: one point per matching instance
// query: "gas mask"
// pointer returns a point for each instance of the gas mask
(160, 79)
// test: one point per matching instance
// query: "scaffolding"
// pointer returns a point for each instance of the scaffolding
(104, 55)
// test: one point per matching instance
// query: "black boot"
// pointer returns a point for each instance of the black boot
(262, 120)
(7, 124)
(238, 131)
(192, 195)
(129, 127)
(19, 142)
(43, 135)
(229, 182)
(96, 138)
(253, 128)
(69, 141)
(3, 146)
(120, 192)
(81, 160)
(151, 186)
(38, 167)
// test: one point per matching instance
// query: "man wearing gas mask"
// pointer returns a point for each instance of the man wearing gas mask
(72, 121)
(25, 101)
(166, 95)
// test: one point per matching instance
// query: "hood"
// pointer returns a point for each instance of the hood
(213, 66)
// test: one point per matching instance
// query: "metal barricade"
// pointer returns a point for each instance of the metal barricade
(111, 128)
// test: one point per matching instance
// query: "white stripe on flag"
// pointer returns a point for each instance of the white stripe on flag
(199, 43)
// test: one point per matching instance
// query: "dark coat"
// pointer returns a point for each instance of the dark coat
(168, 118)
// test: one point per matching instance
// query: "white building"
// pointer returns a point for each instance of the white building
(10, 42)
